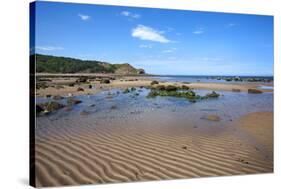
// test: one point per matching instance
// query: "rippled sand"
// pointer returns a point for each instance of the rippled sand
(163, 138)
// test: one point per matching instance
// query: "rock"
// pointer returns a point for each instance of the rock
(184, 87)
(236, 90)
(80, 89)
(57, 97)
(160, 87)
(212, 95)
(154, 83)
(59, 87)
(105, 81)
(39, 109)
(49, 106)
(84, 112)
(90, 86)
(71, 85)
(254, 91)
(184, 147)
(126, 91)
(82, 80)
(68, 108)
(48, 96)
(171, 88)
(113, 107)
(212, 118)
(72, 101)
(92, 105)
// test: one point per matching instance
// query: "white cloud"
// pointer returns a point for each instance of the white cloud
(229, 25)
(48, 48)
(130, 14)
(171, 50)
(211, 59)
(145, 46)
(197, 32)
(147, 33)
(84, 17)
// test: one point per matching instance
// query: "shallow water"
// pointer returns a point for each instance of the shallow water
(203, 79)
(171, 114)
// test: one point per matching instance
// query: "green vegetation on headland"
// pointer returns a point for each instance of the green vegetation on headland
(55, 64)
(178, 91)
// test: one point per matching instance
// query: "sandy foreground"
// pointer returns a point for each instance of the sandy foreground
(107, 153)
(125, 154)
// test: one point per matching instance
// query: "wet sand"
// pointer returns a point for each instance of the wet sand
(109, 154)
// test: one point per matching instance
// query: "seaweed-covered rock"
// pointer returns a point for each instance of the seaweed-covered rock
(154, 82)
(160, 87)
(184, 87)
(171, 88)
(72, 101)
(126, 91)
(254, 91)
(57, 97)
(105, 81)
(212, 95)
(49, 106)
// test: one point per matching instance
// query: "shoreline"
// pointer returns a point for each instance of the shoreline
(59, 85)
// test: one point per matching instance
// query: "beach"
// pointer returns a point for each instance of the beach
(117, 134)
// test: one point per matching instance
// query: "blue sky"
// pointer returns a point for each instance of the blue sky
(175, 42)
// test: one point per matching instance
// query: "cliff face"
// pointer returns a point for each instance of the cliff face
(54, 64)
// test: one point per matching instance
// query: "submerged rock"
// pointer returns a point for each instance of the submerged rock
(72, 101)
(84, 112)
(212, 118)
(57, 97)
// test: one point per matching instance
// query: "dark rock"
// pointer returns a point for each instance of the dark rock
(105, 81)
(49, 106)
(154, 82)
(160, 87)
(171, 88)
(90, 86)
(48, 96)
(57, 97)
(39, 109)
(184, 87)
(113, 107)
(72, 101)
(236, 90)
(212, 95)
(84, 112)
(71, 84)
(254, 91)
(80, 89)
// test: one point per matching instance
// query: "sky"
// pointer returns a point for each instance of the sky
(161, 41)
